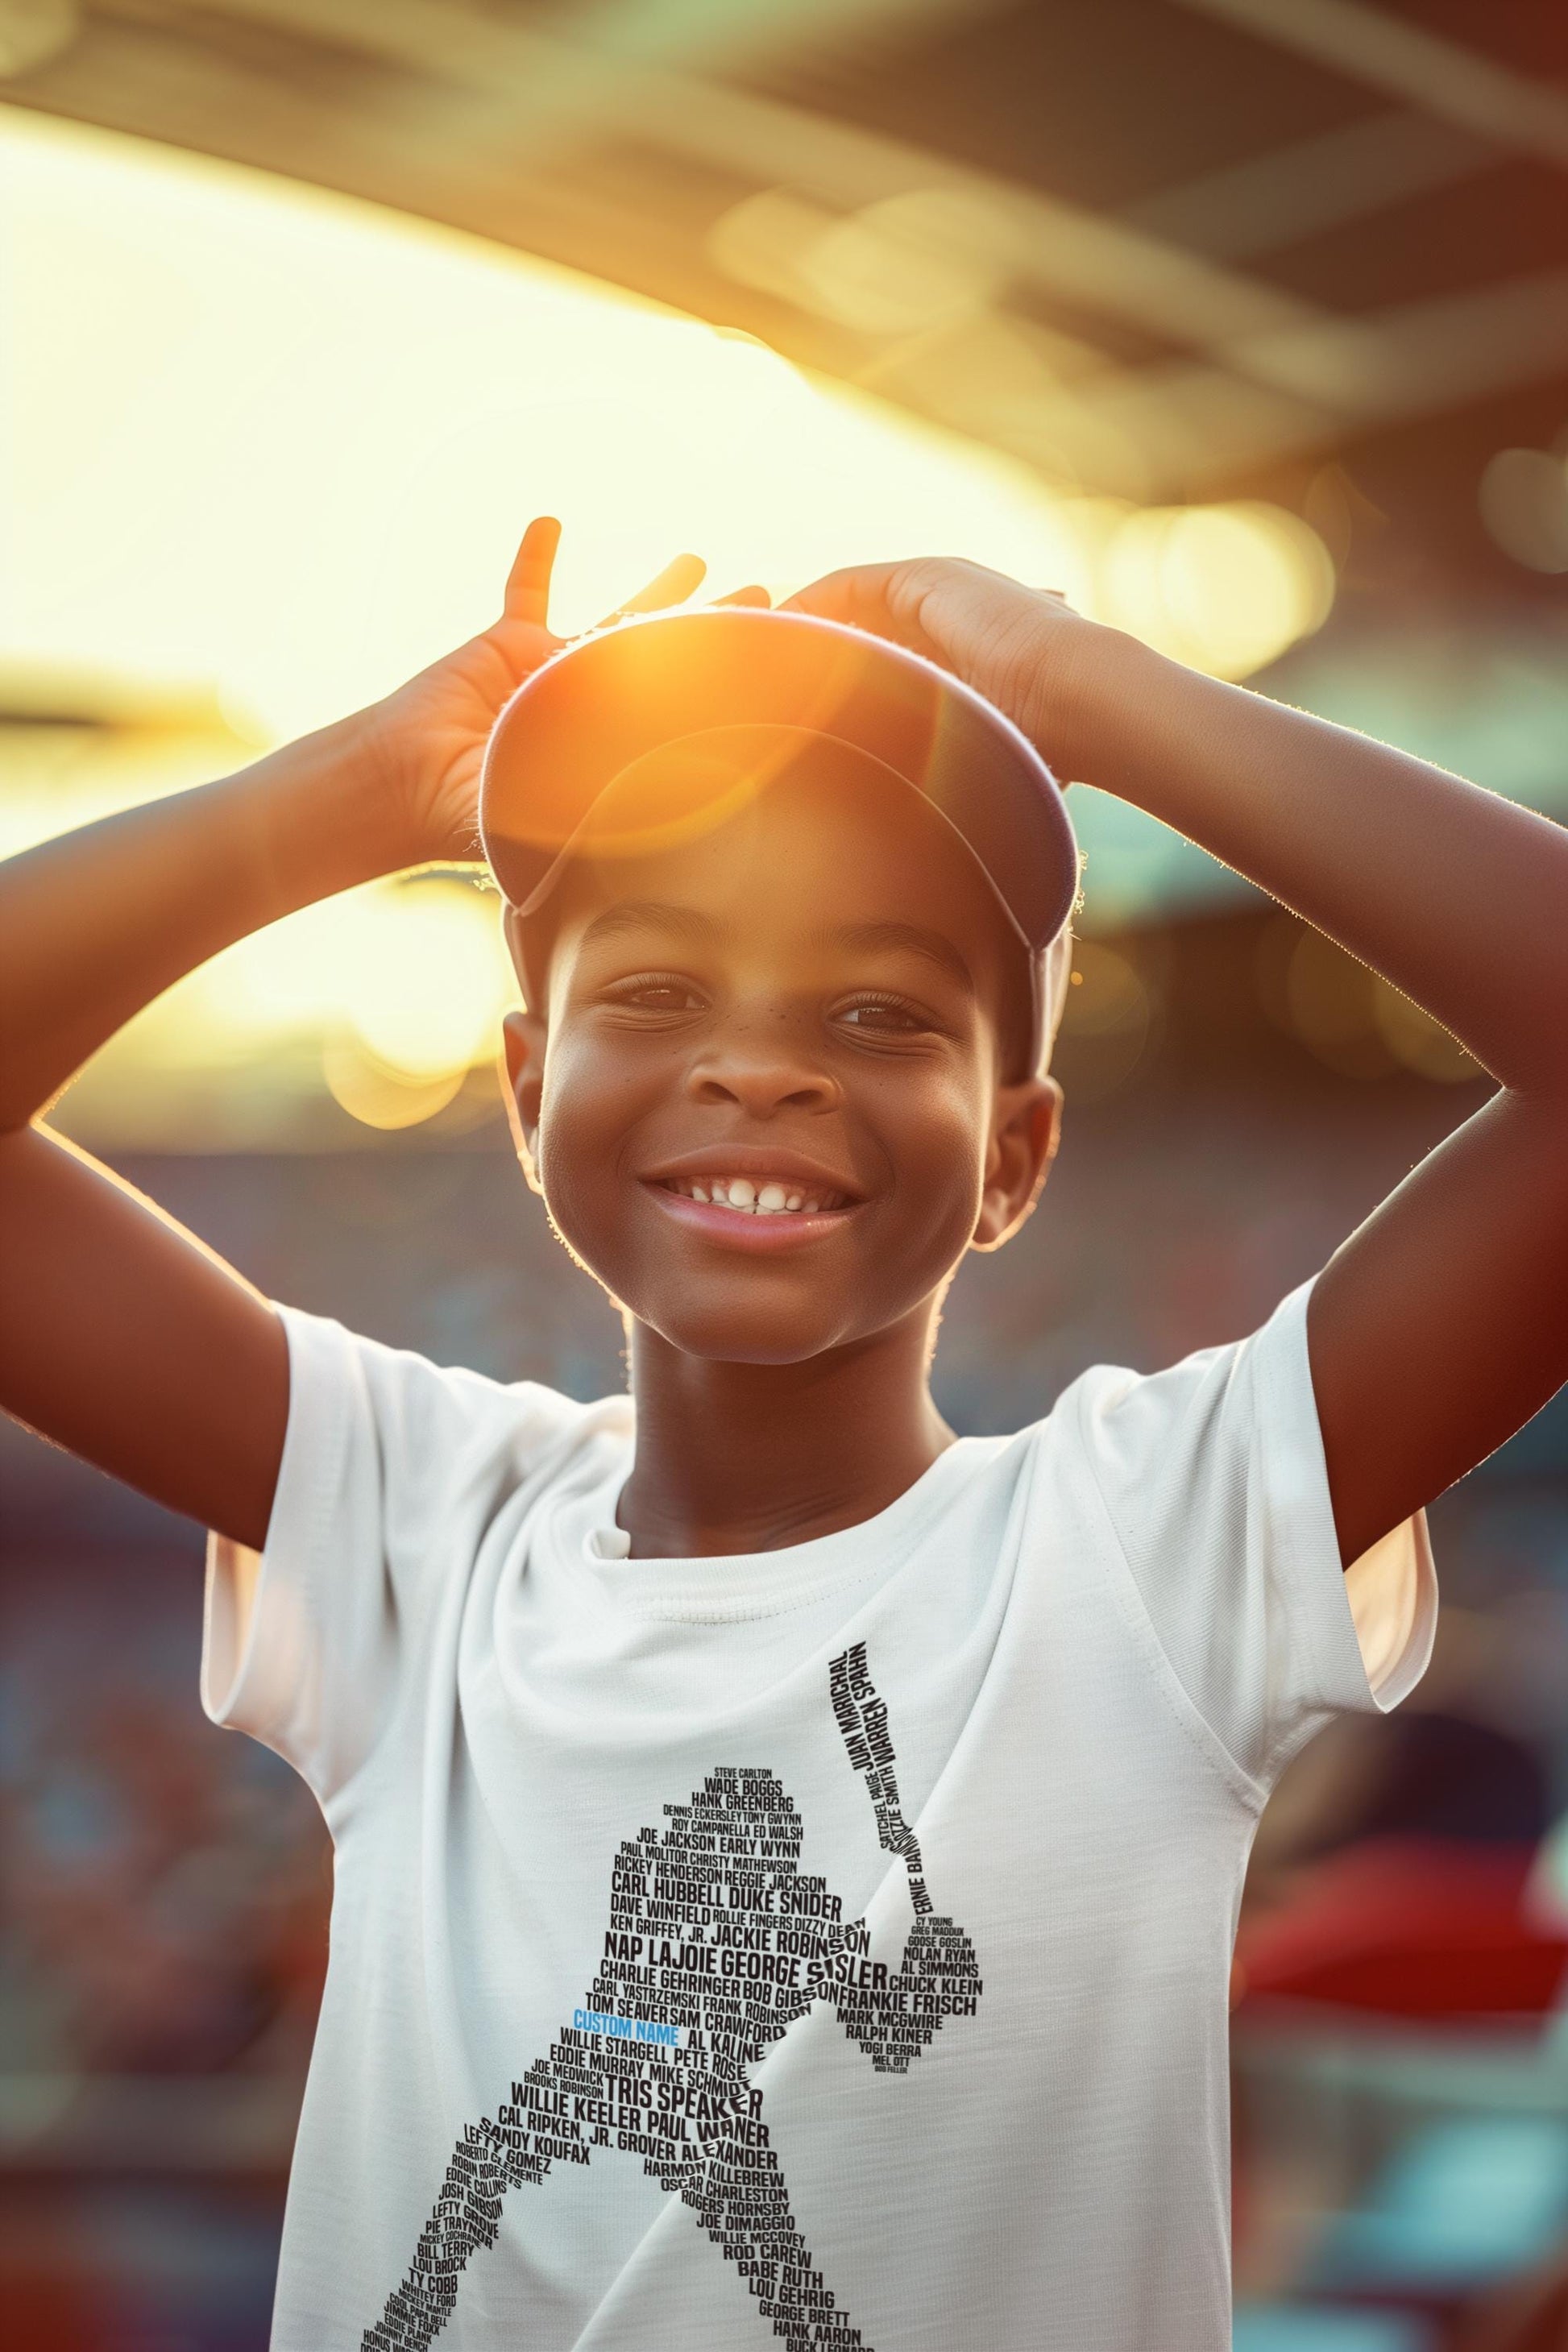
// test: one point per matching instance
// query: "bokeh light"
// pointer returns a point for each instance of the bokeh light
(1108, 1021)
(1524, 505)
(429, 979)
(381, 1097)
(1418, 1042)
(415, 973)
(1350, 1018)
(1224, 588)
(1331, 1004)
(903, 265)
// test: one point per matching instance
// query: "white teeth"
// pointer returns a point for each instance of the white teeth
(771, 1199)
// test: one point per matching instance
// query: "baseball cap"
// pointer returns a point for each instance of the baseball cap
(649, 732)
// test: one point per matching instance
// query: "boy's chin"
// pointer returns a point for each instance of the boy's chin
(745, 1340)
(744, 1329)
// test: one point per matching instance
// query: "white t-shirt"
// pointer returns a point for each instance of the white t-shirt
(826, 1946)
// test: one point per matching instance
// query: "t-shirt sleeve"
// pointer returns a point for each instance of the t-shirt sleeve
(391, 1469)
(1214, 1479)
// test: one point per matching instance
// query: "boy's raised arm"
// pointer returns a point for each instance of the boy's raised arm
(1441, 1325)
(122, 1336)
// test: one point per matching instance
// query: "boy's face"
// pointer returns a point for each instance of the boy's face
(802, 1003)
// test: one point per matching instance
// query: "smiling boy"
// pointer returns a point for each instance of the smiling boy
(787, 1858)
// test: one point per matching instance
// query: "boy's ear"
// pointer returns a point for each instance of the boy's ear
(523, 1038)
(1025, 1131)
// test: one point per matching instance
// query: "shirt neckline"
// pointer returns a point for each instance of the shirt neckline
(724, 1587)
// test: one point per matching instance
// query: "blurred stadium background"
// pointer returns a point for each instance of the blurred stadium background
(1245, 322)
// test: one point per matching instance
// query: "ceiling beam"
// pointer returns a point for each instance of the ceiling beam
(541, 97)
(718, 33)
(1313, 184)
(1192, 427)
(622, 167)
(1443, 78)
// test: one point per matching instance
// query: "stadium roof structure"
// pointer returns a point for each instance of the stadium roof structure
(1171, 248)
(1314, 251)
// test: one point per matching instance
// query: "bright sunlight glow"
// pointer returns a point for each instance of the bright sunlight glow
(268, 450)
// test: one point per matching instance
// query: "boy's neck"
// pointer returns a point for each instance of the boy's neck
(750, 1457)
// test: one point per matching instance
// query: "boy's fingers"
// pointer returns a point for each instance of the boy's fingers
(752, 595)
(856, 583)
(672, 586)
(858, 596)
(866, 596)
(526, 594)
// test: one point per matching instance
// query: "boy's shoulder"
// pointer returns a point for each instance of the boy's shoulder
(432, 1416)
(1214, 1409)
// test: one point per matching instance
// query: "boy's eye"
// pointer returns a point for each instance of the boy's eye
(659, 992)
(885, 1017)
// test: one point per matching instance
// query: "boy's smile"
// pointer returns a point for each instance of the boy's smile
(750, 1197)
(768, 1114)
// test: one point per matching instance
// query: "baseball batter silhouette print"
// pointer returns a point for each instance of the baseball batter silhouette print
(717, 1942)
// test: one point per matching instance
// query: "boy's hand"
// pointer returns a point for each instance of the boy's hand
(427, 740)
(1024, 648)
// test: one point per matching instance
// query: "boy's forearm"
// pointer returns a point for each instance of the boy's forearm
(97, 923)
(1457, 897)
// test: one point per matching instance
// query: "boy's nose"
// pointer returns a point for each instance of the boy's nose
(762, 1075)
